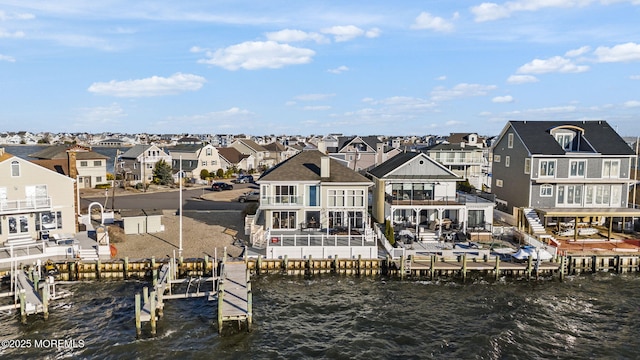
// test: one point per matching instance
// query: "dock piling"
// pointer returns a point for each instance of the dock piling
(138, 322)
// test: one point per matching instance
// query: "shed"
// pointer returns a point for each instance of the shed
(142, 221)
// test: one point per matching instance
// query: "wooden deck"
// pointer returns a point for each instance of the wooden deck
(234, 294)
(33, 303)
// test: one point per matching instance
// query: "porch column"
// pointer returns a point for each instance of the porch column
(440, 214)
(416, 216)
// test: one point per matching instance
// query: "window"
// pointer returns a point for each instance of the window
(351, 198)
(611, 169)
(547, 168)
(283, 220)
(569, 195)
(18, 224)
(507, 161)
(546, 190)
(565, 140)
(336, 219)
(510, 141)
(498, 182)
(98, 179)
(204, 163)
(48, 220)
(97, 163)
(496, 158)
(15, 168)
(314, 195)
(285, 194)
(83, 163)
(576, 168)
(527, 166)
(601, 195)
(209, 152)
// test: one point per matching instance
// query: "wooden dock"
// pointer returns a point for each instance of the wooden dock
(31, 302)
(234, 295)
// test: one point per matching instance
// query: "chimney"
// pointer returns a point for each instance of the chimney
(73, 169)
(324, 167)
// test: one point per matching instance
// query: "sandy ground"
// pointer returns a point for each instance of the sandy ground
(203, 233)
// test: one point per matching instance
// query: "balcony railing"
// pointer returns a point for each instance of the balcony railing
(441, 200)
(26, 205)
(284, 200)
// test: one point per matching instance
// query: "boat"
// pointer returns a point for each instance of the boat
(531, 251)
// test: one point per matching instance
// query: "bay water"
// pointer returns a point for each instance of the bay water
(348, 317)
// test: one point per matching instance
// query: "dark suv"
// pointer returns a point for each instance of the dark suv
(219, 186)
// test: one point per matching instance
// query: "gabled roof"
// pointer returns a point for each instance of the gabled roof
(136, 151)
(275, 146)
(371, 141)
(231, 154)
(185, 148)
(60, 166)
(252, 145)
(60, 152)
(598, 133)
(388, 167)
(305, 166)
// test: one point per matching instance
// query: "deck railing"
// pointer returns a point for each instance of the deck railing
(24, 205)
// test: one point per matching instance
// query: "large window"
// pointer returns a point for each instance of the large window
(576, 168)
(611, 168)
(569, 195)
(18, 224)
(314, 195)
(565, 139)
(285, 194)
(48, 220)
(547, 168)
(283, 220)
(351, 198)
(602, 195)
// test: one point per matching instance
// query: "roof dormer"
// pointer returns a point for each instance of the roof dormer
(568, 136)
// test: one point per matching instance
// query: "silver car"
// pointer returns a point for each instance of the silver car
(250, 196)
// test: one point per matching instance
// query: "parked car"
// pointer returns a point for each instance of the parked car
(243, 179)
(250, 196)
(219, 186)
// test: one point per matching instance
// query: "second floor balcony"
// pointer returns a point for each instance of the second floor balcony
(283, 200)
(24, 205)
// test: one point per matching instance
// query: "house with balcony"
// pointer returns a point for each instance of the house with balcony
(36, 204)
(418, 196)
(465, 156)
(136, 164)
(91, 166)
(576, 174)
(312, 205)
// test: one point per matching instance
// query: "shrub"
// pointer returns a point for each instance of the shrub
(103, 186)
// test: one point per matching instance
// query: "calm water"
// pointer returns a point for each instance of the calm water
(356, 318)
(23, 151)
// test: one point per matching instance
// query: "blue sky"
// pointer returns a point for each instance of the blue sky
(316, 67)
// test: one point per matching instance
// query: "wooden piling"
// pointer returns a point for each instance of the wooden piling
(220, 302)
(432, 267)
(125, 269)
(464, 267)
(497, 268)
(138, 322)
(152, 312)
(402, 266)
(98, 269)
(23, 306)
(529, 267)
(45, 300)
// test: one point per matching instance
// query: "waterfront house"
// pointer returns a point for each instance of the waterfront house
(312, 205)
(418, 196)
(550, 173)
(195, 158)
(33, 199)
(136, 164)
(465, 156)
(91, 166)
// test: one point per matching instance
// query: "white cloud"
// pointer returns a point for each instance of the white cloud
(16, 34)
(430, 22)
(632, 103)
(502, 99)
(4, 16)
(289, 35)
(93, 117)
(338, 70)
(619, 53)
(7, 58)
(492, 11)
(556, 64)
(577, 52)
(372, 33)
(461, 90)
(314, 97)
(344, 33)
(522, 79)
(317, 108)
(634, 77)
(441, 78)
(253, 55)
(153, 86)
(197, 49)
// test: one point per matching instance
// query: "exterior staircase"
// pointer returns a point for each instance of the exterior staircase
(88, 254)
(534, 222)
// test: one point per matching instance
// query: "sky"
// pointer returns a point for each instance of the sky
(358, 67)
